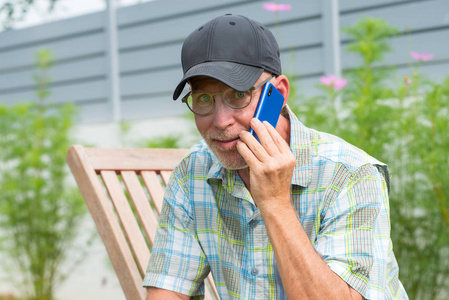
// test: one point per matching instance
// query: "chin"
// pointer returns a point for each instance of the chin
(230, 158)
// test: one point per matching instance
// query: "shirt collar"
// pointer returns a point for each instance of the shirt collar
(230, 180)
(300, 145)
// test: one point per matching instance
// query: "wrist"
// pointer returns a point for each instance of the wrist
(276, 208)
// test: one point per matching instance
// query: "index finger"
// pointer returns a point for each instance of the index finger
(264, 136)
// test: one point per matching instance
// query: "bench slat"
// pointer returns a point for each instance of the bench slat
(141, 204)
(127, 219)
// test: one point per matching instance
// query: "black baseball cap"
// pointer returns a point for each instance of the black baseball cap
(232, 49)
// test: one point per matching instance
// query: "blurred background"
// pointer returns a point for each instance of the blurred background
(102, 73)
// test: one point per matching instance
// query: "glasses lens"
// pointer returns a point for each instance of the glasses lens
(200, 103)
(237, 99)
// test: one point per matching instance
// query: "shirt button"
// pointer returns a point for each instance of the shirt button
(253, 223)
(254, 271)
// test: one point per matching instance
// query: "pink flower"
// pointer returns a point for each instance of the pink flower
(425, 56)
(333, 81)
(277, 7)
(408, 81)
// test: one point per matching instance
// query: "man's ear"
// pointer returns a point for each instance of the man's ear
(283, 86)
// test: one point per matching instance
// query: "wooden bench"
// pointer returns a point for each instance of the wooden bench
(123, 189)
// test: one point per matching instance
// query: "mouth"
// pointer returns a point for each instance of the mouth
(227, 144)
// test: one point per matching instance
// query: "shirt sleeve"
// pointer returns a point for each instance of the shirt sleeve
(177, 262)
(354, 237)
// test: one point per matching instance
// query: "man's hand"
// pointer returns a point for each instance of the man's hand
(271, 165)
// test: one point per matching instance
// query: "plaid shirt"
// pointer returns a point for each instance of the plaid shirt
(209, 222)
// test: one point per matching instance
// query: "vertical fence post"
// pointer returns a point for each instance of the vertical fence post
(112, 51)
(331, 40)
(331, 37)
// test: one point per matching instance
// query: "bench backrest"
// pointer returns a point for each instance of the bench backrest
(123, 189)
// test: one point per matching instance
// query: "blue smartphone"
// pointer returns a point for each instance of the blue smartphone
(269, 106)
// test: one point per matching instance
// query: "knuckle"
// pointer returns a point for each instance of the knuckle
(292, 162)
(266, 144)
(268, 169)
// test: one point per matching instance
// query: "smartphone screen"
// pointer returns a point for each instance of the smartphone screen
(269, 106)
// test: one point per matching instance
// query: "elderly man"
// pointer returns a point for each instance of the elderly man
(302, 214)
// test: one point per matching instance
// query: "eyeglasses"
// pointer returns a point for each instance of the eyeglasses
(201, 103)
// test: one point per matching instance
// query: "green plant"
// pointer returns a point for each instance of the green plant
(12, 11)
(169, 141)
(124, 132)
(403, 125)
(419, 207)
(39, 211)
(174, 140)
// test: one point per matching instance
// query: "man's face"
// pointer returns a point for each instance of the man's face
(221, 128)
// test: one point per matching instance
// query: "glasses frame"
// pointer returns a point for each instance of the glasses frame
(184, 99)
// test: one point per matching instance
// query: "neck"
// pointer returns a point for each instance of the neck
(244, 175)
(284, 128)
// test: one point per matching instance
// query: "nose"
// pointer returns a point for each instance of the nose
(223, 115)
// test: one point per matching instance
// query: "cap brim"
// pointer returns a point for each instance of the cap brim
(237, 76)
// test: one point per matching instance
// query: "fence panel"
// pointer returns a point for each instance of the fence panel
(150, 37)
